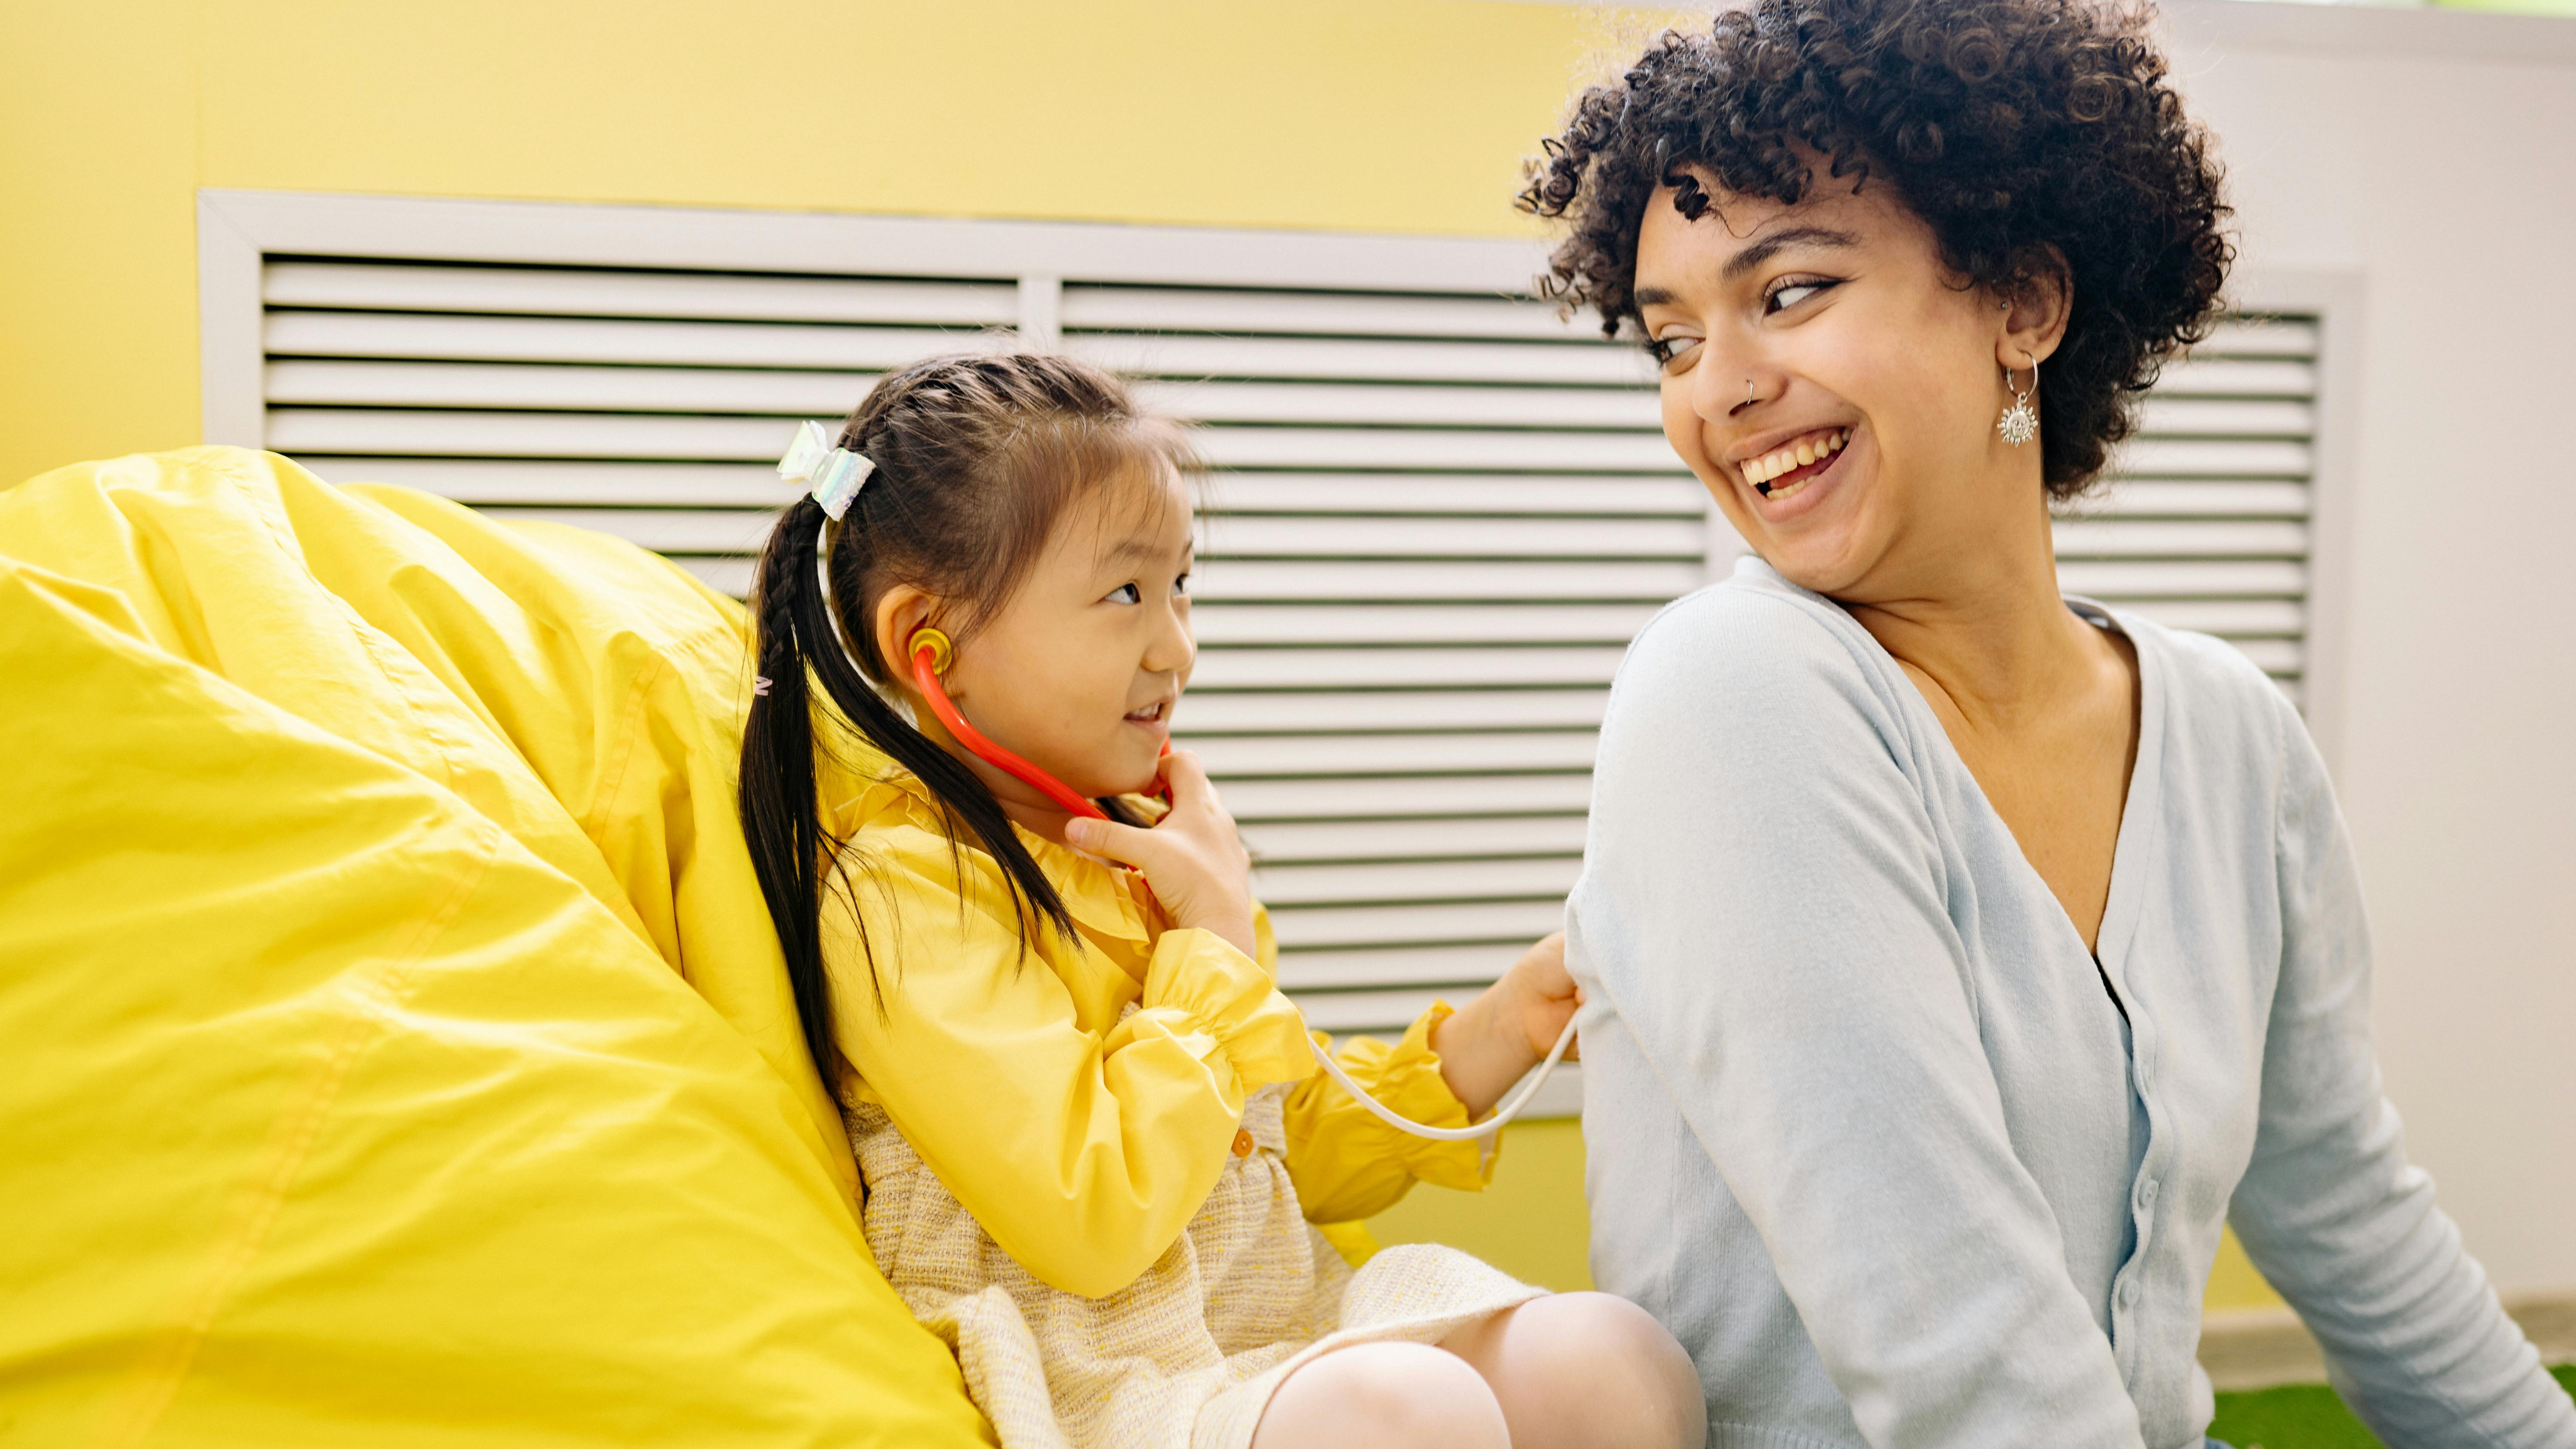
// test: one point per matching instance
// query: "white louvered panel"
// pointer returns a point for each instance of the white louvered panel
(1432, 923)
(790, 392)
(1366, 494)
(1434, 448)
(548, 387)
(2292, 338)
(630, 343)
(1425, 406)
(495, 434)
(606, 292)
(2184, 579)
(724, 575)
(2234, 498)
(1182, 356)
(2235, 618)
(2161, 457)
(1237, 756)
(1213, 712)
(1475, 963)
(2226, 417)
(1338, 1012)
(2210, 375)
(1399, 666)
(1402, 798)
(488, 434)
(1281, 842)
(720, 531)
(1220, 311)
(1287, 536)
(1434, 524)
(1221, 624)
(2204, 525)
(1335, 582)
(1387, 881)
(2144, 538)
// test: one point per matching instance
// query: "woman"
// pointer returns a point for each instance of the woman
(1957, 958)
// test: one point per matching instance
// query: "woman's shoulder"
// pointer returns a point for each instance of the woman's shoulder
(1752, 648)
(1760, 684)
(2214, 691)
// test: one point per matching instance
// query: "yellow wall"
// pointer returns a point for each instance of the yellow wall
(1389, 115)
(1394, 115)
(1530, 1222)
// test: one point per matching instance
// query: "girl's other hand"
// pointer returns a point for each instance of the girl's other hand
(1489, 1043)
(1193, 857)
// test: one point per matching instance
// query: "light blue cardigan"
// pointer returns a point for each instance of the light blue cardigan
(1867, 1129)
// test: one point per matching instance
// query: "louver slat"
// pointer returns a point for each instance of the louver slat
(1435, 522)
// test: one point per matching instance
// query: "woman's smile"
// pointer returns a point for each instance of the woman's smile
(1782, 469)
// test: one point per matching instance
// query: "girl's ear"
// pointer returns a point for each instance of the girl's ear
(901, 610)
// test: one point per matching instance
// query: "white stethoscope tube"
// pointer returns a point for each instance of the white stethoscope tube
(1486, 1128)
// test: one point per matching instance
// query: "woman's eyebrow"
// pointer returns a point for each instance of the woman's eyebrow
(1780, 241)
(1754, 256)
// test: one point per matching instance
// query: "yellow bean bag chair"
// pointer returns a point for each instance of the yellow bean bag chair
(396, 1048)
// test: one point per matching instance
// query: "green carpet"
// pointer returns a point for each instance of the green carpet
(2304, 1417)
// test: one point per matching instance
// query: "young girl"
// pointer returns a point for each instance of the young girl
(1089, 1126)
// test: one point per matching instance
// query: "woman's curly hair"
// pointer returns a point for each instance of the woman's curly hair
(2014, 128)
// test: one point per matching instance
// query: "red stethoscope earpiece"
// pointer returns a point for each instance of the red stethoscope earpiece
(931, 653)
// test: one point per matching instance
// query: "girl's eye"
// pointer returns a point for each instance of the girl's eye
(1181, 586)
(1127, 594)
(1668, 350)
(1790, 294)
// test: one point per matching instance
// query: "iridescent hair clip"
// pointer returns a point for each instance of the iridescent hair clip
(833, 473)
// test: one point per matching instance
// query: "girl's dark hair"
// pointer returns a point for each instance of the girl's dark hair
(977, 457)
(2028, 134)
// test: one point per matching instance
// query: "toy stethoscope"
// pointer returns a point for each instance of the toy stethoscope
(837, 482)
(931, 653)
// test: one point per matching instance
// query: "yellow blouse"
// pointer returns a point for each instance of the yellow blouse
(1080, 1135)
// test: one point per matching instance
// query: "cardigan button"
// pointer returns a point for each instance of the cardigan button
(1242, 1143)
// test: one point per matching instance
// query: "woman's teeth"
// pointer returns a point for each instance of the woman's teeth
(1760, 471)
(1150, 714)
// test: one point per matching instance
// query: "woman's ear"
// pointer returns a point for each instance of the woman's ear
(900, 610)
(2036, 303)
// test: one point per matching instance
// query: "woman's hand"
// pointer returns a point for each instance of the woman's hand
(1492, 1041)
(1192, 857)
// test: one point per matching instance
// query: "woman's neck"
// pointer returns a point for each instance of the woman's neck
(1996, 640)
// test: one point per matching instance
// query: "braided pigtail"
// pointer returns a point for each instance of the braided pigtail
(782, 819)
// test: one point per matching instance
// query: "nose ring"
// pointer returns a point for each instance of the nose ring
(1748, 392)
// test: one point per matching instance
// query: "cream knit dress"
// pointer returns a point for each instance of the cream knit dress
(1185, 1357)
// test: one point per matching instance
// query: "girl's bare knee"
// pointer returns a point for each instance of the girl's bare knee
(1589, 1369)
(1383, 1396)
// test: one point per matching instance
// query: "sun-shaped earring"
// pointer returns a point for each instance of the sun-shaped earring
(2020, 422)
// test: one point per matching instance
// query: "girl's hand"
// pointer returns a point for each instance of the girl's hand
(1192, 857)
(1492, 1041)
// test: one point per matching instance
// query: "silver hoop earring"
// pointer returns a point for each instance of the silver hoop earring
(2020, 422)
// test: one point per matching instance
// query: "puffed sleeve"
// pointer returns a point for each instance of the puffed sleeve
(1345, 1162)
(1083, 1154)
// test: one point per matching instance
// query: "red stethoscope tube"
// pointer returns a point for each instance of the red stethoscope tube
(928, 647)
